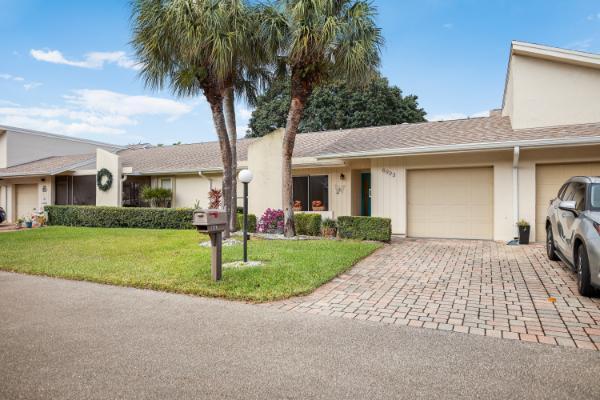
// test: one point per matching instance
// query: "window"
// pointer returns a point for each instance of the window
(132, 191)
(311, 193)
(165, 183)
(579, 196)
(595, 196)
(567, 194)
(75, 190)
(561, 192)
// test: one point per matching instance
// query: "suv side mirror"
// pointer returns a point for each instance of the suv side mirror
(568, 205)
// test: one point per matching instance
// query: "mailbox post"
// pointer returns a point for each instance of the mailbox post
(212, 222)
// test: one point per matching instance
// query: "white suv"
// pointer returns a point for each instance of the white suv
(573, 230)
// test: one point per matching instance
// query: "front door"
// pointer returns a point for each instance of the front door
(365, 194)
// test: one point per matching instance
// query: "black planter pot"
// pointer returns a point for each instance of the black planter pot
(524, 234)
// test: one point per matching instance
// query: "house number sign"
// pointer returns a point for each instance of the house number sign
(388, 172)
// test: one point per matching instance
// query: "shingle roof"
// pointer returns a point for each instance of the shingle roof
(179, 158)
(483, 130)
(408, 137)
(48, 166)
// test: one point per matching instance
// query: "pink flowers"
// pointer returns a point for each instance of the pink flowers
(271, 221)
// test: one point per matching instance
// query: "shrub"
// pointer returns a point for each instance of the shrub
(271, 221)
(156, 196)
(307, 224)
(365, 228)
(115, 217)
(251, 222)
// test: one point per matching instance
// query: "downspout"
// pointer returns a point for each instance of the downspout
(123, 179)
(515, 181)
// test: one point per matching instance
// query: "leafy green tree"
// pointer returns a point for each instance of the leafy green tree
(314, 41)
(336, 105)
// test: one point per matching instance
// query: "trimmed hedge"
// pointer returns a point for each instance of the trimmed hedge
(120, 217)
(308, 224)
(365, 228)
(251, 222)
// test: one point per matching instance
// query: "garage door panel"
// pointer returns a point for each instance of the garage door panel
(452, 203)
(549, 179)
(26, 199)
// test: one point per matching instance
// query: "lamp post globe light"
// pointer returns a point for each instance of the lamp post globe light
(245, 176)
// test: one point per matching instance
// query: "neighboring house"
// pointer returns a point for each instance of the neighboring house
(471, 178)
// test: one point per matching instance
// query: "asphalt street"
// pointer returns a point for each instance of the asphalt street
(63, 339)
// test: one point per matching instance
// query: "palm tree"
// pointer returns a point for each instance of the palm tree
(196, 47)
(250, 80)
(316, 40)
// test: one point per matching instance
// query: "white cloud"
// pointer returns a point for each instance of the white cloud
(452, 116)
(92, 112)
(31, 85)
(10, 77)
(593, 17)
(93, 60)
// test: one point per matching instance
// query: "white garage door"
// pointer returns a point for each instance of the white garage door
(26, 199)
(549, 179)
(451, 203)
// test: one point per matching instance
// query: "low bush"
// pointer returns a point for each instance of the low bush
(365, 228)
(251, 222)
(120, 217)
(271, 221)
(307, 224)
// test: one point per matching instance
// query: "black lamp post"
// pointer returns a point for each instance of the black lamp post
(245, 176)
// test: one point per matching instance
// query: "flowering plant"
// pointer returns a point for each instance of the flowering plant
(271, 221)
(214, 198)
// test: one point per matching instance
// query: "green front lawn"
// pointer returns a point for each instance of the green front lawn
(171, 260)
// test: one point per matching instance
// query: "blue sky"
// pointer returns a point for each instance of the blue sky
(67, 68)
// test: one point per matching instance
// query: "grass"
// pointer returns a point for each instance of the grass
(171, 260)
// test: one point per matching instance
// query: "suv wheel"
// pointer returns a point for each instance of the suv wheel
(582, 267)
(550, 249)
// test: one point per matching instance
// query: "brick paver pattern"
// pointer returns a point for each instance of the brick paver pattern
(469, 286)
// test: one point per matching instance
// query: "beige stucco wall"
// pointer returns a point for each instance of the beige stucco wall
(24, 147)
(112, 162)
(548, 93)
(264, 160)
(189, 188)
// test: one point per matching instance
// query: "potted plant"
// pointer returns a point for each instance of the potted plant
(297, 205)
(329, 227)
(20, 222)
(317, 205)
(28, 222)
(524, 230)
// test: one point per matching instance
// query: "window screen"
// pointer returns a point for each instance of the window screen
(311, 193)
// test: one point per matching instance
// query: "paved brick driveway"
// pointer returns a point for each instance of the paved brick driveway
(469, 286)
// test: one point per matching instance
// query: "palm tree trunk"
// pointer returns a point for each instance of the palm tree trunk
(229, 100)
(216, 105)
(301, 89)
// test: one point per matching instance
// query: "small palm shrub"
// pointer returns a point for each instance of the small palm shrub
(157, 196)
